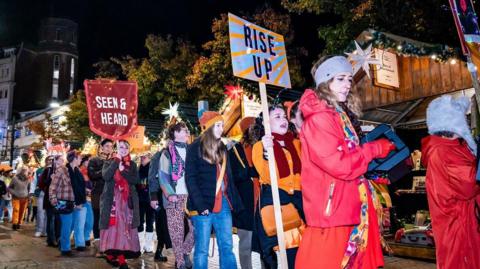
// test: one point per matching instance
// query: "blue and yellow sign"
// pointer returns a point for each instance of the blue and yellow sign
(257, 53)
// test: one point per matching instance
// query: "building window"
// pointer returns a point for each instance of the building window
(72, 75)
(57, 34)
(56, 75)
(5, 93)
(7, 73)
(28, 132)
(55, 89)
(56, 66)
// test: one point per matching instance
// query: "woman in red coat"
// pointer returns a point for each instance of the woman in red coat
(342, 225)
(452, 191)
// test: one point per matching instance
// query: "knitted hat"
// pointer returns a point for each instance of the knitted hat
(331, 67)
(446, 113)
(209, 118)
(245, 123)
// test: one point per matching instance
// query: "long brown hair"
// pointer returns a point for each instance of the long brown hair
(212, 149)
(324, 92)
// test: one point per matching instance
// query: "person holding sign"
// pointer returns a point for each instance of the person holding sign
(212, 195)
(287, 158)
(119, 208)
(342, 226)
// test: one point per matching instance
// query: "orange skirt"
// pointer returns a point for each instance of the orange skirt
(325, 247)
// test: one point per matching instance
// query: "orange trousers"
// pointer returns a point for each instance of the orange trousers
(19, 207)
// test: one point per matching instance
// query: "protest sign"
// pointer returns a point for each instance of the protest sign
(112, 107)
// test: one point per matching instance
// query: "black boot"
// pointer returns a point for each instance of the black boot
(159, 257)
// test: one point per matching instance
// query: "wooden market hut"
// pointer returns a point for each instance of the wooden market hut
(421, 79)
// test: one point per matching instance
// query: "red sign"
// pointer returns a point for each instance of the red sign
(112, 107)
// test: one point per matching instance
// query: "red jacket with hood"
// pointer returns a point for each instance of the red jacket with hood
(330, 170)
(452, 191)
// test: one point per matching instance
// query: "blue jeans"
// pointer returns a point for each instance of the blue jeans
(78, 225)
(88, 221)
(65, 231)
(222, 223)
(6, 204)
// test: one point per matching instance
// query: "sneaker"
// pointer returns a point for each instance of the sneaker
(38, 234)
(87, 243)
(43, 235)
(80, 248)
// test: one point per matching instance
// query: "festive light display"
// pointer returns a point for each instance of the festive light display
(405, 47)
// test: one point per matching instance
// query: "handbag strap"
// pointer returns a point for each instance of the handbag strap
(238, 156)
(221, 175)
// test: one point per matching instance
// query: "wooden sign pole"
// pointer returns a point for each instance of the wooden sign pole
(273, 180)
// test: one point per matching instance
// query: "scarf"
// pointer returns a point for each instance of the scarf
(120, 181)
(121, 184)
(178, 164)
(358, 238)
(281, 159)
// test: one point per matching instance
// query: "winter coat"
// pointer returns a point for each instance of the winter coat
(330, 170)
(142, 186)
(95, 166)
(78, 185)
(44, 184)
(452, 193)
(242, 177)
(106, 199)
(19, 187)
(61, 186)
(201, 180)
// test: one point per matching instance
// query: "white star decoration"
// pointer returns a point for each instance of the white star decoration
(172, 111)
(363, 59)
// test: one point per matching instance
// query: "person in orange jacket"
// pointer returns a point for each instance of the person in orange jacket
(452, 191)
(342, 226)
(287, 159)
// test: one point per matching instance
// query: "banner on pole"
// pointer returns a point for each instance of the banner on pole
(112, 107)
(257, 54)
(466, 22)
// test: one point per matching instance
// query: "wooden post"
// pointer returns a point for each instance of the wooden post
(273, 180)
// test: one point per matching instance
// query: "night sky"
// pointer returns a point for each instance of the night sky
(114, 28)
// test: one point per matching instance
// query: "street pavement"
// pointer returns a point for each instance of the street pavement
(19, 249)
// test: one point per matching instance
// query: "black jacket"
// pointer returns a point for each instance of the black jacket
(142, 187)
(95, 166)
(242, 176)
(78, 185)
(44, 184)
(201, 180)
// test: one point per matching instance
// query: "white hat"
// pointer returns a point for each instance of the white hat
(446, 113)
(331, 67)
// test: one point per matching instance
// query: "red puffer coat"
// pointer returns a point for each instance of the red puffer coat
(330, 170)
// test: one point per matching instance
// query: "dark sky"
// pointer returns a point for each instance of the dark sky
(118, 27)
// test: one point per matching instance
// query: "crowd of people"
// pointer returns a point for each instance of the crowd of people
(186, 191)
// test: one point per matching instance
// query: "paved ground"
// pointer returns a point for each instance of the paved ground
(21, 250)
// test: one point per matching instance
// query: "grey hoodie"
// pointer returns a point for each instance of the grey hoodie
(19, 187)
